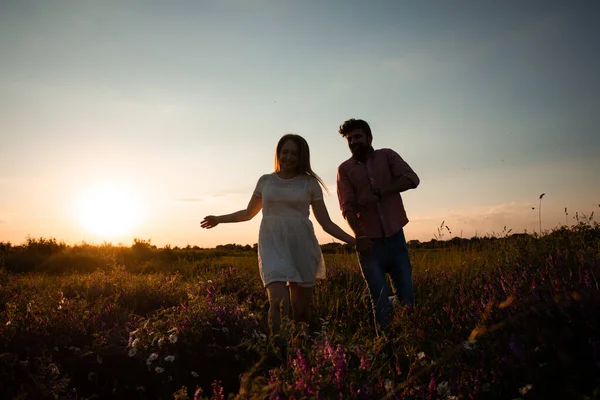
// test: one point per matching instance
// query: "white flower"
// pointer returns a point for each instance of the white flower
(389, 385)
(159, 370)
(443, 388)
(209, 281)
(525, 389)
(194, 374)
(161, 341)
(421, 355)
(151, 358)
(170, 358)
(135, 343)
(173, 338)
(132, 352)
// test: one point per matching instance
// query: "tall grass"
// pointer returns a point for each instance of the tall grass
(507, 318)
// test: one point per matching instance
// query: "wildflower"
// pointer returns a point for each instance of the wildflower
(421, 355)
(161, 341)
(8, 323)
(209, 281)
(365, 361)
(194, 374)
(173, 338)
(53, 369)
(469, 344)
(151, 358)
(132, 352)
(259, 335)
(135, 343)
(443, 388)
(170, 358)
(525, 389)
(198, 394)
(159, 370)
(388, 384)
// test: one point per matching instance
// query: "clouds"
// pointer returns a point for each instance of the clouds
(208, 198)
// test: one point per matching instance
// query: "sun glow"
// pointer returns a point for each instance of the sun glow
(109, 211)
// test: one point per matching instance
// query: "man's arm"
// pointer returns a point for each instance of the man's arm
(405, 177)
(349, 206)
(401, 184)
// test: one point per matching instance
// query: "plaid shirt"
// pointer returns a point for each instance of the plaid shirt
(383, 166)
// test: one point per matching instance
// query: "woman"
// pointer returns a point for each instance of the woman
(288, 251)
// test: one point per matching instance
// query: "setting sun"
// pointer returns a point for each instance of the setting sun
(109, 211)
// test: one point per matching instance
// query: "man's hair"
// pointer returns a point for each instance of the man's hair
(352, 124)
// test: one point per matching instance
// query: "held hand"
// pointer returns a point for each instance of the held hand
(364, 244)
(209, 221)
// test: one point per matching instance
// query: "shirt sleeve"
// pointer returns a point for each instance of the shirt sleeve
(314, 190)
(259, 186)
(345, 193)
(400, 168)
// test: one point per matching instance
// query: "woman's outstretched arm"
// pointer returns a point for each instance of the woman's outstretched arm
(254, 206)
(322, 216)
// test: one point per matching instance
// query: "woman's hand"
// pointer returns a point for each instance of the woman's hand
(210, 221)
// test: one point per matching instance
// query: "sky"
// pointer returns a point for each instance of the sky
(135, 119)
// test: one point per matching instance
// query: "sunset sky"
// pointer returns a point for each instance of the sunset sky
(160, 113)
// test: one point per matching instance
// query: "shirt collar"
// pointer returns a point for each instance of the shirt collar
(370, 154)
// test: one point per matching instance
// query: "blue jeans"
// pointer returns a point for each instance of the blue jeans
(389, 255)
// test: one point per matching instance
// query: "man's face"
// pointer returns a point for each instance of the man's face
(358, 142)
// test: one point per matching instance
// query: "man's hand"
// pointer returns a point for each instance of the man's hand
(364, 244)
(367, 198)
(209, 221)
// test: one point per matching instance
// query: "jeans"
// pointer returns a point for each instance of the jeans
(389, 255)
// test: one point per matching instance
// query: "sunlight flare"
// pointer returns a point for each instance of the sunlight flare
(109, 211)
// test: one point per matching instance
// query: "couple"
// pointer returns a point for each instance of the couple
(368, 188)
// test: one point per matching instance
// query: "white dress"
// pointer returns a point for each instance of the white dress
(288, 250)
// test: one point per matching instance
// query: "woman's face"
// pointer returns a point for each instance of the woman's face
(288, 157)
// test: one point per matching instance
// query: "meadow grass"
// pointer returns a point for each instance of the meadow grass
(507, 318)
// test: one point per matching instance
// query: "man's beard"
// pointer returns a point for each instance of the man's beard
(359, 150)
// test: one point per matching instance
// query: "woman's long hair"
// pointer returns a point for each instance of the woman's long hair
(303, 156)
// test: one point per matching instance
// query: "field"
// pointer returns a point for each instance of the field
(495, 318)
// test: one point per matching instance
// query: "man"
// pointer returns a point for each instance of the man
(369, 186)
